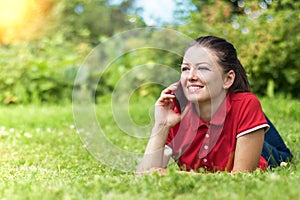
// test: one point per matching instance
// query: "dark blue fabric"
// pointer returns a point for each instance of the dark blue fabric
(274, 149)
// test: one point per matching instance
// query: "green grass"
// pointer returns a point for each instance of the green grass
(42, 157)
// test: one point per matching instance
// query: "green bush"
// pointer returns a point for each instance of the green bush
(39, 71)
(44, 70)
(271, 52)
(267, 41)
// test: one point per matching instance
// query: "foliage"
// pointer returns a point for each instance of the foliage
(266, 38)
(144, 58)
(41, 71)
(42, 157)
(44, 69)
(274, 60)
(90, 20)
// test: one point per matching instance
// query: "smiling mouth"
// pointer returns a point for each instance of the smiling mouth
(194, 88)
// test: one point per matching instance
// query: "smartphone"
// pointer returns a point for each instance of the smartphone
(180, 98)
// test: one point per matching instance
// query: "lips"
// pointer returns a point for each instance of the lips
(194, 88)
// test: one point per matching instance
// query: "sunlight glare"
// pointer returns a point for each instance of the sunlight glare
(19, 19)
(12, 12)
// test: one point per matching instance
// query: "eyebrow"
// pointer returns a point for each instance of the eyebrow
(201, 63)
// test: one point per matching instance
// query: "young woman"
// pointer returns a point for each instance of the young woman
(209, 119)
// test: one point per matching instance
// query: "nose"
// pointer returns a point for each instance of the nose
(192, 76)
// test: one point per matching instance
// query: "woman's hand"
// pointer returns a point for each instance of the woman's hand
(165, 118)
(164, 113)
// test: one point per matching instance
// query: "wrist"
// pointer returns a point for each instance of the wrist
(162, 125)
(160, 129)
(158, 136)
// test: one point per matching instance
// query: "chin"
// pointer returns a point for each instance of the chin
(194, 98)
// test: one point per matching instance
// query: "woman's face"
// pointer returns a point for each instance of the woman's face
(201, 76)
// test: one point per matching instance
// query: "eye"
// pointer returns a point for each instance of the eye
(202, 68)
(184, 68)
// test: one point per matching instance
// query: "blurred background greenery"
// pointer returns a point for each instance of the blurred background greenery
(43, 46)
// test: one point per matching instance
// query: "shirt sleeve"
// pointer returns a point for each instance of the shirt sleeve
(171, 135)
(251, 116)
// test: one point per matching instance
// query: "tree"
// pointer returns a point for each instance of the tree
(89, 20)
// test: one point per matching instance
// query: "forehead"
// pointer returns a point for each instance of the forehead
(197, 54)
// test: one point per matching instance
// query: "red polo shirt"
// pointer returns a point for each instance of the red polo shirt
(210, 145)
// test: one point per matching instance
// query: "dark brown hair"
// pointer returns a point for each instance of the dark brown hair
(227, 59)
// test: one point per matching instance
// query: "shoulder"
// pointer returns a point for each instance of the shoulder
(247, 111)
(247, 99)
(243, 96)
(245, 105)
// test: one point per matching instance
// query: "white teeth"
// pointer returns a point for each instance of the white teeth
(195, 86)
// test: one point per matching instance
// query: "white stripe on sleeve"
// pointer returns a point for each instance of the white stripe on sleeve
(266, 126)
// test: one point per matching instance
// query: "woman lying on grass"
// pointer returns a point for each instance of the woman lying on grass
(209, 119)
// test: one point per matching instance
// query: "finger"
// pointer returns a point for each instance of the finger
(171, 88)
(174, 84)
(166, 97)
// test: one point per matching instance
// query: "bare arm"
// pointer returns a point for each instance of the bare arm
(154, 153)
(248, 150)
(165, 118)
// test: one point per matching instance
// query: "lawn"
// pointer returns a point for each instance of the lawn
(43, 157)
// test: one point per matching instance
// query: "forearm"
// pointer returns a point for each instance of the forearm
(154, 153)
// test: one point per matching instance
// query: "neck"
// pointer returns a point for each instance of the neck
(207, 109)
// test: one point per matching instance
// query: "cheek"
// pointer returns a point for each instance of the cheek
(209, 78)
(214, 81)
(184, 75)
(183, 78)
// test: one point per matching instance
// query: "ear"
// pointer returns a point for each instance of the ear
(228, 80)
